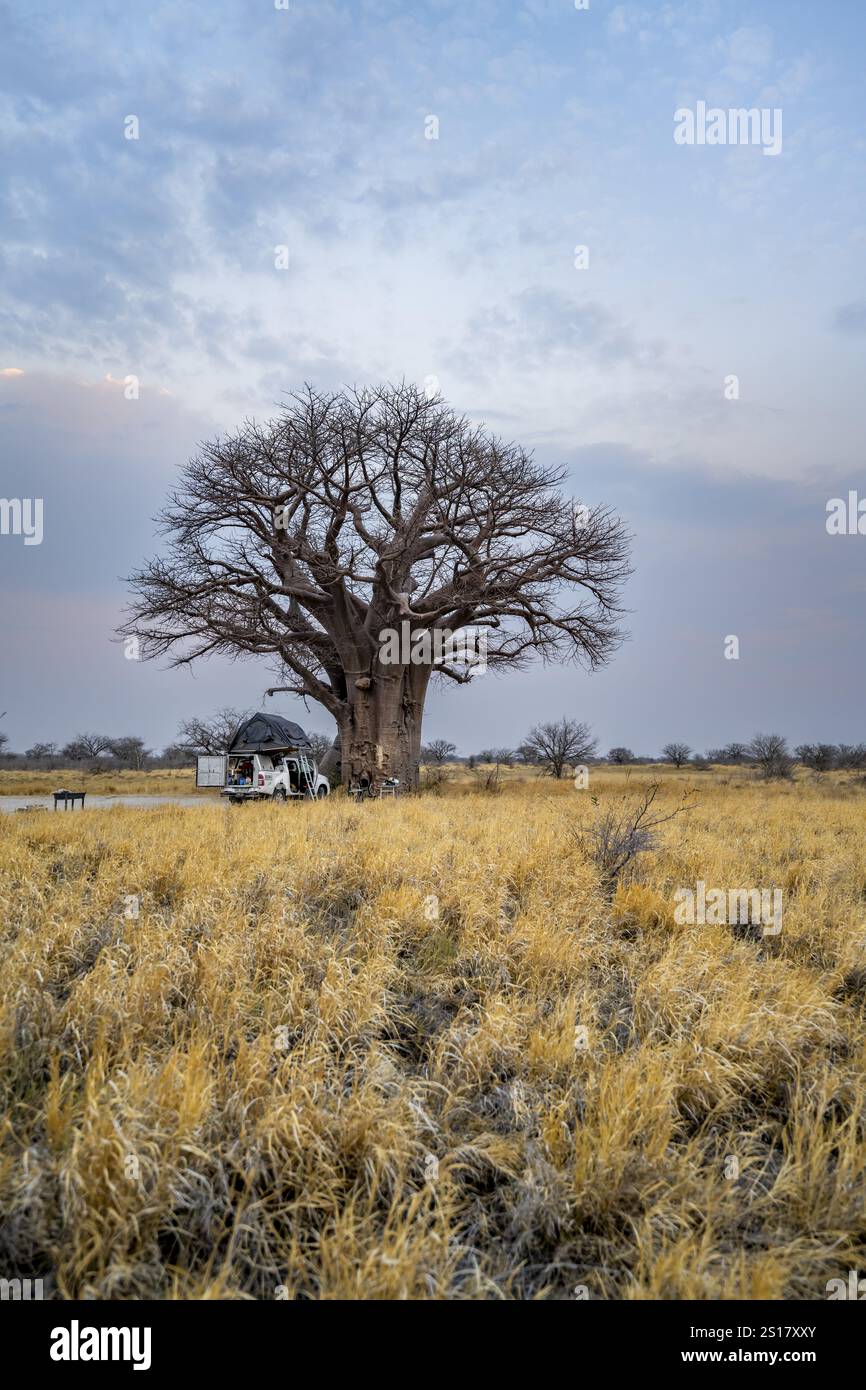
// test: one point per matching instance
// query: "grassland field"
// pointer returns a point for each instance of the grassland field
(149, 782)
(413, 1048)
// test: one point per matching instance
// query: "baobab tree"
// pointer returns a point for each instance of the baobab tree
(355, 518)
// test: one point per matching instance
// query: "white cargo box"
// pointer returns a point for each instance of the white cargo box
(210, 770)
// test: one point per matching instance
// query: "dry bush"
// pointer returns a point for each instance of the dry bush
(624, 829)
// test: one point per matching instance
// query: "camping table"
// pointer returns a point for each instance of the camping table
(66, 797)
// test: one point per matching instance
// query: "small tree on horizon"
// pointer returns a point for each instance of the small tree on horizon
(438, 752)
(554, 746)
(820, 757)
(770, 752)
(86, 747)
(677, 753)
(850, 756)
(41, 750)
(177, 755)
(620, 755)
(130, 751)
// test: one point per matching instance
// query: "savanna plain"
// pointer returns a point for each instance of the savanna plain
(424, 1048)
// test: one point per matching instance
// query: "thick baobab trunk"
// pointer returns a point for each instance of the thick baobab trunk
(381, 735)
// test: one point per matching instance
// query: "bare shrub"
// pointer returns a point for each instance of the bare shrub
(622, 831)
(820, 757)
(434, 778)
(489, 780)
(770, 752)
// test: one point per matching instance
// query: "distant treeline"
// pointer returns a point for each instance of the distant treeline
(566, 744)
(121, 754)
(101, 752)
(554, 748)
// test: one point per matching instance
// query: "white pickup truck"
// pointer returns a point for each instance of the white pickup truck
(262, 776)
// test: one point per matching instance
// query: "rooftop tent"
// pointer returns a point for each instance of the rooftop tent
(262, 733)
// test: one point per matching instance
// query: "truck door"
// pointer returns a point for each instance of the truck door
(210, 770)
(265, 776)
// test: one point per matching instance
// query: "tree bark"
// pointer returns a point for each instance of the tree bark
(380, 736)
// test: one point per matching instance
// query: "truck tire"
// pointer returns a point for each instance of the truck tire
(321, 793)
(280, 794)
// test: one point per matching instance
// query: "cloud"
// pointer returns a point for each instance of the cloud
(851, 318)
(102, 464)
(453, 257)
(538, 325)
(747, 53)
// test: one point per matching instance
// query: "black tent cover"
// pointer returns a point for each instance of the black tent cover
(263, 733)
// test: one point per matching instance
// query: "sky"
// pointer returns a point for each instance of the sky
(204, 206)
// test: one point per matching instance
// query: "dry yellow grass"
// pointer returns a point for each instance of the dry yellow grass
(288, 1072)
(173, 781)
(157, 782)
